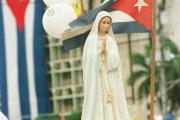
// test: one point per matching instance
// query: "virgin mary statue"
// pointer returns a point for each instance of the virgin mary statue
(104, 97)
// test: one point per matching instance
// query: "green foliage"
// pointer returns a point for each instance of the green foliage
(138, 59)
(51, 117)
(172, 74)
(144, 62)
(172, 71)
(75, 115)
(169, 44)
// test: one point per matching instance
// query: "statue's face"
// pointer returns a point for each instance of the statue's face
(105, 24)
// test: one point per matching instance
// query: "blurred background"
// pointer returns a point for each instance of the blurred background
(54, 76)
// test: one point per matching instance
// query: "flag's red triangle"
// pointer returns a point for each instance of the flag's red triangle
(18, 8)
(144, 16)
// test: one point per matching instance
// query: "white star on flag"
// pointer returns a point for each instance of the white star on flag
(140, 4)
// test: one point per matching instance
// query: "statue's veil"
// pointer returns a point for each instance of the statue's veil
(94, 31)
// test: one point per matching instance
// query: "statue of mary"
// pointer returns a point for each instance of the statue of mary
(104, 97)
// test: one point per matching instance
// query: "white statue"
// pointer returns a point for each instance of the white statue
(104, 97)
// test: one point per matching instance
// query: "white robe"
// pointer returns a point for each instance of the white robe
(95, 106)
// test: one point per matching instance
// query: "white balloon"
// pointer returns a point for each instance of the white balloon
(53, 2)
(56, 19)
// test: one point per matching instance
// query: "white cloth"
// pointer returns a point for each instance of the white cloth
(95, 106)
(2, 116)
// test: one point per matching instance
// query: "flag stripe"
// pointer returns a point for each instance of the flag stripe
(75, 42)
(29, 29)
(11, 64)
(119, 16)
(3, 78)
(128, 27)
(22, 74)
(40, 62)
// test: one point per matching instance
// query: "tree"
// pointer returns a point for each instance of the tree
(172, 74)
(143, 61)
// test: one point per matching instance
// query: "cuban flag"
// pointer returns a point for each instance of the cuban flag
(24, 93)
(128, 16)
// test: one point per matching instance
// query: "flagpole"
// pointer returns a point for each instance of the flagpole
(153, 37)
(82, 7)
